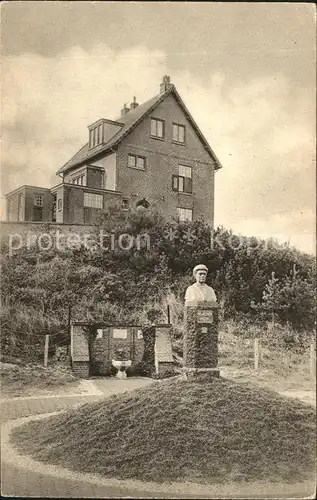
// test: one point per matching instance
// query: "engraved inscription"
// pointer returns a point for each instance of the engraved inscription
(204, 316)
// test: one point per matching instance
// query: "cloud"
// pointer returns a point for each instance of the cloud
(262, 135)
(49, 102)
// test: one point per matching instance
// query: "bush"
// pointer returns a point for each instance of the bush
(102, 368)
(141, 369)
(124, 286)
(165, 374)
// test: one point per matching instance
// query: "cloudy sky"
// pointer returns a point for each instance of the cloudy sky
(245, 71)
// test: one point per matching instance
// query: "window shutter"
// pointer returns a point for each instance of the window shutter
(175, 182)
(188, 185)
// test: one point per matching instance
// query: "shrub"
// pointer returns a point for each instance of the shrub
(165, 374)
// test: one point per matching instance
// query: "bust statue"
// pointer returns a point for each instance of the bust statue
(199, 291)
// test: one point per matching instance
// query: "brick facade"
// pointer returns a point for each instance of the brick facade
(21, 205)
(107, 172)
(81, 369)
(104, 347)
(163, 158)
(164, 361)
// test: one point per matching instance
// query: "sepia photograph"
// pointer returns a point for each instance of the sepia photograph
(158, 250)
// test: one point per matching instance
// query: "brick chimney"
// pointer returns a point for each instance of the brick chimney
(134, 104)
(125, 110)
(166, 84)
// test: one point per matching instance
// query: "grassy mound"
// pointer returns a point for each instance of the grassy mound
(177, 430)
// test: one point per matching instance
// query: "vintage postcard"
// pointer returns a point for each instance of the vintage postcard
(158, 261)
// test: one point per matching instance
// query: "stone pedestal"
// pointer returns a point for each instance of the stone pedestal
(201, 341)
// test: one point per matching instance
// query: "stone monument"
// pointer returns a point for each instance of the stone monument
(201, 334)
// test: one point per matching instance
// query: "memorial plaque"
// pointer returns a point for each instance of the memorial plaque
(120, 333)
(204, 316)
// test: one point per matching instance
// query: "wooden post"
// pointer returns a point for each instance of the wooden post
(256, 353)
(312, 361)
(47, 339)
(168, 315)
(69, 318)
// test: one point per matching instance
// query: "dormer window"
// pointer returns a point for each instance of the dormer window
(96, 136)
(101, 131)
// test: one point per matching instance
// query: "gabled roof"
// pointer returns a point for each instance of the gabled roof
(130, 120)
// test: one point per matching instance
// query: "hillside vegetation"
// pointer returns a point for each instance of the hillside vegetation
(258, 283)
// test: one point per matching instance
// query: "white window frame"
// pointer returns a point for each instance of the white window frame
(125, 204)
(185, 214)
(91, 138)
(185, 171)
(79, 180)
(154, 128)
(93, 200)
(183, 182)
(38, 200)
(176, 133)
(133, 161)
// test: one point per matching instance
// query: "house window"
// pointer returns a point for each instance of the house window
(95, 136)
(93, 200)
(157, 128)
(10, 209)
(59, 204)
(38, 200)
(135, 161)
(184, 214)
(183, 181)
(125, 204)
(91, 135)
(120, 333)
(178, 133)
(140, 335)
(103, 180)
(99, 333)
(80, 180)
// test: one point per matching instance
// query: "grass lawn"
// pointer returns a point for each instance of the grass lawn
(181, 431)
(34, 379)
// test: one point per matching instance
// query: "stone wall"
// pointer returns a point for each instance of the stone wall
(163, 349)
(79, 352)
(78, 344)
(81, 369)
(103, 348)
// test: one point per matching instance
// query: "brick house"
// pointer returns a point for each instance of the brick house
(152, 155)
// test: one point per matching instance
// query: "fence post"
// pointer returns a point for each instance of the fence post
(312, 360)
(47, 339)
(256, 346)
